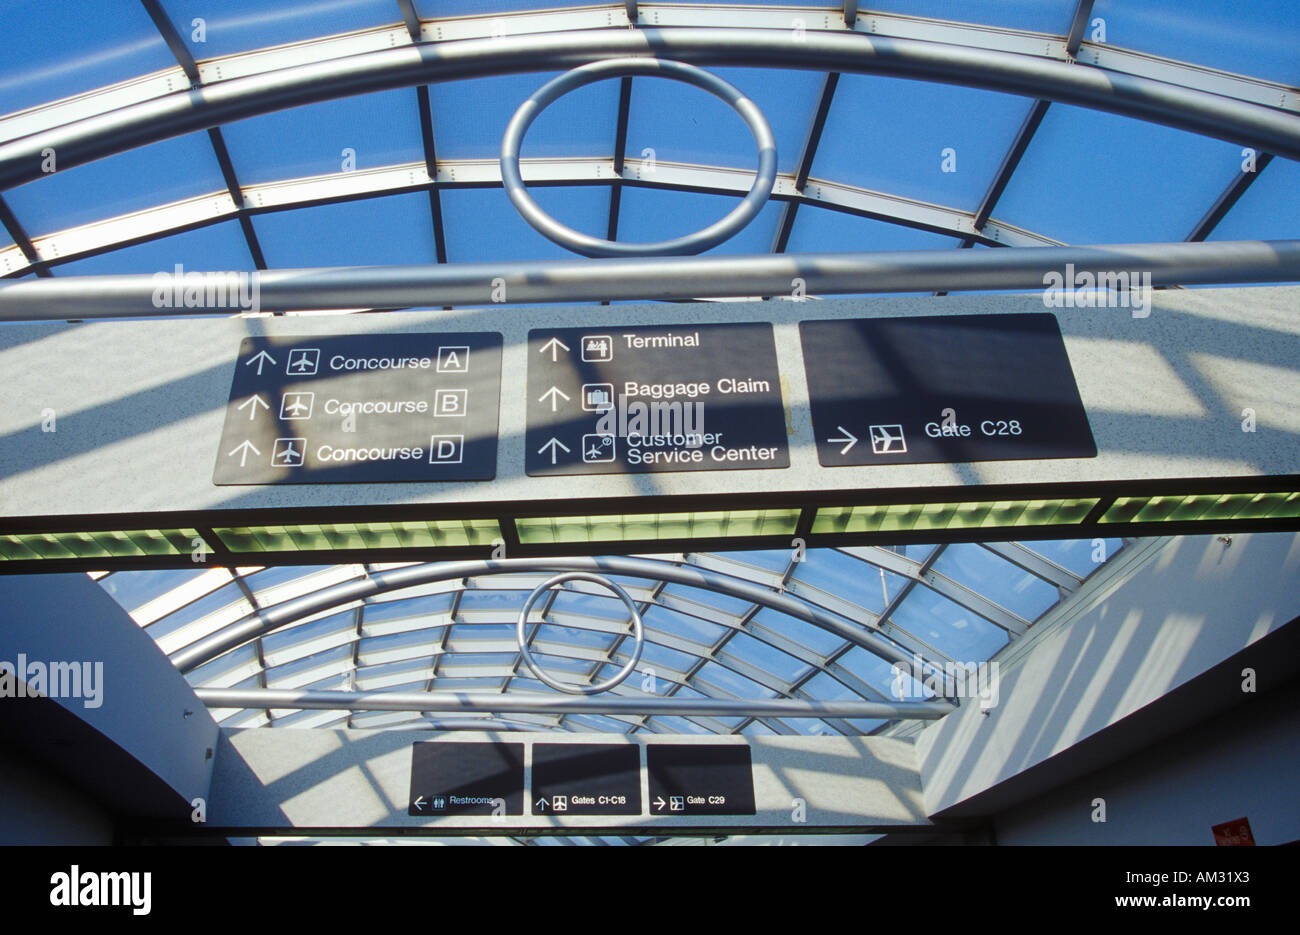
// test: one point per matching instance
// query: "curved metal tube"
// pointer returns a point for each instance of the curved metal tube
(586, 245)
(282, 615)
(521, 703)
(1265, 128)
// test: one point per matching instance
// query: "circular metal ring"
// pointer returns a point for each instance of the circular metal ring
(638, 635)
(587, 245)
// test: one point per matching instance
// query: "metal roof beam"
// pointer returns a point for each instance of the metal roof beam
(1223, 204)
(1268, 129)
(460, 702)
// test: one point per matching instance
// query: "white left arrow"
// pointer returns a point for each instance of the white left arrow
(244, 449)
(254, 401)
(554, 393)
(419, 803)
(848, 437)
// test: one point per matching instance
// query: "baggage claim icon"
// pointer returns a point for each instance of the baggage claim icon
(589, 246)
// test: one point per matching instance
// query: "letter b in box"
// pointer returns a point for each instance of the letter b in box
(446, 449)
(450, 402)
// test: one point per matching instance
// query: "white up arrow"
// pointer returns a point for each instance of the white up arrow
(260, 358)
(255, 401)
(244, 449)
(848, 437)
(554, 393)
(553, 444)
(551, 345)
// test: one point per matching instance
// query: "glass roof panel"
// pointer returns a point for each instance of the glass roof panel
(173, 170)
(55, 50)
(362, 132)
(838, 573)
(820, 641)
(1050, 16)
(784, 666)
(391, 231)
(430, 9)
(822, 230)
(931, 142)
(1258, 38)
(681, 123)
(1104, 191)
(242, 25)
(961, 633)
(215, 247)
(997, 579)
(1081, 556)
(478, 217)
(470, 117)
(133, 590)
(1268, 210)
(653, 214)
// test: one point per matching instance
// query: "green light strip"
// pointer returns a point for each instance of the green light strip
(1203, 506)
(110, 544)
(359, 536)
(977, 515)
(546, 530)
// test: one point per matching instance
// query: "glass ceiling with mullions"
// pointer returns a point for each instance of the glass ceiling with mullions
(949, 603)
(899, 165)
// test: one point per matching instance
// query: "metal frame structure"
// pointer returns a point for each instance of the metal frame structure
(1005, 60)
(413, 52)
(379, 590)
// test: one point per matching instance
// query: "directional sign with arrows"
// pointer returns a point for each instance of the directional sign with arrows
(639, 399)
(942, 389)
(348, 409)
(586, 779)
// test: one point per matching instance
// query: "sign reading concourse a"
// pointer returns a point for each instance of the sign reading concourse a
(622, 399)
(943, 389)
(362, 409)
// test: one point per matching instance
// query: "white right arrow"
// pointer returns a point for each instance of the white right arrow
(255, 401)
(260, 358)
(554, 393)
(659, 803)
(848, 437)
(553, 444)
(244, 448)
(551, 345)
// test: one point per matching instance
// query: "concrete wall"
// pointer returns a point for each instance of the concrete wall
(38, 806)
(1194, 603)
(1243, 763)
(141, 714)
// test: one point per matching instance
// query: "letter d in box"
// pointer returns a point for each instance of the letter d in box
(446, 449)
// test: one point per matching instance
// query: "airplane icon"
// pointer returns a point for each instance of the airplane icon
(297, 405)
(288, 452)
(302, 361)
